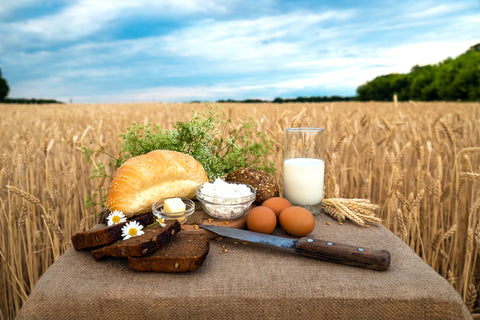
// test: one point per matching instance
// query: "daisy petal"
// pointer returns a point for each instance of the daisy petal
(116, 217)
(161, 221)
(131, 229)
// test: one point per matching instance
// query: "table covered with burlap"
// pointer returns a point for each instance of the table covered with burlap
(249, 281)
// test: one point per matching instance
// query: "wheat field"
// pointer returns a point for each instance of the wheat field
(420, 162)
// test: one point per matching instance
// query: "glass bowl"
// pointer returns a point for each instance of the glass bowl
(157, 209)
(225, 208)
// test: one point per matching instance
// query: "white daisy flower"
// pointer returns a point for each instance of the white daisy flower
(161, 221)
(116, 217)
(132, 229)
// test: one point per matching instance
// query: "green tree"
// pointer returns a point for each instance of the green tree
(449, 80)
(4, 89)
(383, 88)
(421, 84)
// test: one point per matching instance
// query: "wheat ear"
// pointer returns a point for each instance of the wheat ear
(359, 211)
(471, 298)
(27, 196)
(448, 131)
(49, 220)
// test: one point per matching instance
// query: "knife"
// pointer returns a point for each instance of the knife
(313, 248)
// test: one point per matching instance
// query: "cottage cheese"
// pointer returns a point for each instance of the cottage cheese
(229, 199)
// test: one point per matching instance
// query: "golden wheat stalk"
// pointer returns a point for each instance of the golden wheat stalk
(470, 149)
(437, 238)
(359, 211)
(387, 124)
(348, 213)
(49, 220)
(466, 164)
(51, 200)
(470, 175)
(471, 297)
(369, 218)
(401, 221)
(53, 225)
(450, 232)
(451, 278)
(477, 237)
(23, 216)
(20, 287)
(339, 143)
(27, 196)
(448, 131)
(419, 150)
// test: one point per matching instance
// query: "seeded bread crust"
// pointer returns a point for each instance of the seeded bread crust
(186, 252)
(105, 235)
(153, 238)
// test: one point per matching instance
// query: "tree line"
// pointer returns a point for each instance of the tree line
(298, 99)
(5, 89)
(450, 80)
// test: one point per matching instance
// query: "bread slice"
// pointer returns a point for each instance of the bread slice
(153, 238)
(96, 237)
(144, 179)
(185, 252)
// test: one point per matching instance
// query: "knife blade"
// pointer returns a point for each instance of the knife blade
(314, 248)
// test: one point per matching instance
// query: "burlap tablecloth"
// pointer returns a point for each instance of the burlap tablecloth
(250, 282)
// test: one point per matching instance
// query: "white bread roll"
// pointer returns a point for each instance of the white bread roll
(144, 179)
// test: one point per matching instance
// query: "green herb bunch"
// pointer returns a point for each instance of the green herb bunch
(208, 137)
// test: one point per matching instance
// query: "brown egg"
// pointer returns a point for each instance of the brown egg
(277, 204)
(262, 219)
(297, 221)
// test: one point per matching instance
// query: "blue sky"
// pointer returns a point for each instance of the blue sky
(96, 51)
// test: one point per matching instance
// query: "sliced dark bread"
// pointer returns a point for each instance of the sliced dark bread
(153, 238)
(96, 237)
(185, 252)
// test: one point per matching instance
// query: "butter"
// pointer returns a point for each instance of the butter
(173, 205)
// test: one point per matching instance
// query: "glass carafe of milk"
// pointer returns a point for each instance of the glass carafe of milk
(304, 167)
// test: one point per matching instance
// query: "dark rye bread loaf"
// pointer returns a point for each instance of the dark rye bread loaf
(185, 252)
(153, 238)
(96, 237)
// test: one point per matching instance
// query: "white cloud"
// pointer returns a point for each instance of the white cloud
(234, 45)
(431, 9)
(86, 17)
(424, 53)
(399, 59)
(257, 41)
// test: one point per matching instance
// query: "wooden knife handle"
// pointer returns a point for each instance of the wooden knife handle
(344, 254)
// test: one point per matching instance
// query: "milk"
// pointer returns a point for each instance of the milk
(303, 181)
